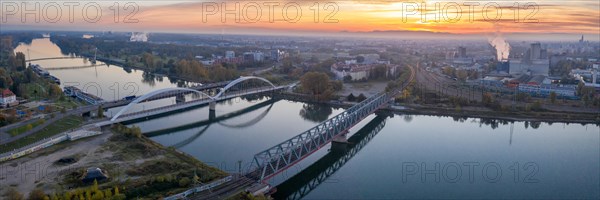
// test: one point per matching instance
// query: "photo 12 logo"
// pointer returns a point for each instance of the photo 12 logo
(453, 12)
(471, 172)
(269, 11)
(67, 11)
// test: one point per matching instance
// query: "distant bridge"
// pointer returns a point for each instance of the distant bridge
(73, 67)
(51, 58)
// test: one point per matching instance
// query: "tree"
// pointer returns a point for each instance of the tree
(351, 97)
(537, 106)
(184, 182)
(462, 75)
(100, 111)
(95, 186)
(136, 131)
(361, 97)
(68, 195)
(336, 85)
(107, 193)
(378, 72)
(487, 99)
(20, 61)
(196, 179)
(347, 78)
(316, 84)
(12, 193)
(450, 71)
(36, 194)
(360, 59)
(55, 91)
(553, 97)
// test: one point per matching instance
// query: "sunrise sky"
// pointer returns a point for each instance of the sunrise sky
(541, 17)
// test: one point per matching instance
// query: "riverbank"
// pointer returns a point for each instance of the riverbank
(138, 166)
(482, 112)
(469, 112)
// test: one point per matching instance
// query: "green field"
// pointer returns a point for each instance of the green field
(57, 127)
(17, 131)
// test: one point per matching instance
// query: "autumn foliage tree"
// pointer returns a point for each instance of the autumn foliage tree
(316, 84)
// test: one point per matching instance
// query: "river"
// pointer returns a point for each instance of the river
(399, 157)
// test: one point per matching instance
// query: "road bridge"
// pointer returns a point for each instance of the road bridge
(50, 58)
(240, 87)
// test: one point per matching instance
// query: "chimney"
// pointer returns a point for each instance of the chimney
(594, 71)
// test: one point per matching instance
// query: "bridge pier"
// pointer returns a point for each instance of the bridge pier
(339, 143)
(212, 110)
(180, 98)
(212, 105)
(212, 115)
(105, 128)
(338, 147)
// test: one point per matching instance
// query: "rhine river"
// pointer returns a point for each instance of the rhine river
(399, 157)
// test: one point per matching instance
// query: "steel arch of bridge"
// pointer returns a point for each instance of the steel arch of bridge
(239, 80)
(152, 94)
(217, 97)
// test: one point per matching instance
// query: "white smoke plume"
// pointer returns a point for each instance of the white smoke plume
(502, 47)
(138, 37)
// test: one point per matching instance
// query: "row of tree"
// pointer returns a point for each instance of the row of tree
(90, 193)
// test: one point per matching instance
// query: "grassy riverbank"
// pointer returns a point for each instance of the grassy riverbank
(59, 126)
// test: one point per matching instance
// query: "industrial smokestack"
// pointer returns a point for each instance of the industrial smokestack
(499, 43)
(502, 47)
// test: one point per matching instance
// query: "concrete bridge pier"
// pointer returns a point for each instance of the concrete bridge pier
(212, 110)
(339, 143)
(105, 128)
(212, 115)
(212, 105)
(180, 98)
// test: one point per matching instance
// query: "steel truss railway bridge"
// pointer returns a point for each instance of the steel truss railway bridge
(280, 157)
(310, 178)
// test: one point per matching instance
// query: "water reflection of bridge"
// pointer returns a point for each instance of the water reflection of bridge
(207, 123)
(216, 119)
(310, 178)
(74, 67)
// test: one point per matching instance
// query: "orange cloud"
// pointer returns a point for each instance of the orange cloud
(580, 17)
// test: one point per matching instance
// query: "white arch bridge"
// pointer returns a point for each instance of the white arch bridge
(245, 85)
